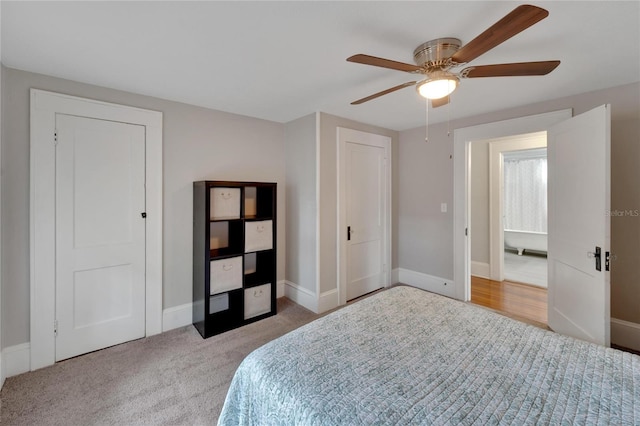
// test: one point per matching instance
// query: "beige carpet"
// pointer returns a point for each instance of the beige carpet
(174, 378)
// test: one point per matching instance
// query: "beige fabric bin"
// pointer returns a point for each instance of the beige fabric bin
(257, 301)
(225, 203)
(258, 235)
(225, 275)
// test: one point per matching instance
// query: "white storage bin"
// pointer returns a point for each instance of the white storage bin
(225, 203)
(225, 275)
(257, 301)
(258, 236)
(218, 303)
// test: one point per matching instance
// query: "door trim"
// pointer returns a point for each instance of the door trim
(44, 107)
(343, 136)
(461, 175)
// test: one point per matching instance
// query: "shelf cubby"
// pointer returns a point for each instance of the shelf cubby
(263, 272)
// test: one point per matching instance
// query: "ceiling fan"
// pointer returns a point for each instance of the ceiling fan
(435, 59)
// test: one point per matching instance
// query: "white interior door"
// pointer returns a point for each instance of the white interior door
(365, 202)
(579, 202)
(100, 234)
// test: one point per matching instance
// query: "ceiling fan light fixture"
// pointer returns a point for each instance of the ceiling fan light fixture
(438, 85)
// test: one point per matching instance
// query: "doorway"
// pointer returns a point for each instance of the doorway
(517, 207)
(512, 168)
(507, 208)
(462, 140)
(46, 108)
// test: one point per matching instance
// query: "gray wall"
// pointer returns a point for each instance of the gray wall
(198, 143)
(302, 208)
(479, 205)
(329, 194)
(625, 229)
(426, 179)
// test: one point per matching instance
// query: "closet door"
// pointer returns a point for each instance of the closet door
(100, 234)
(365, 198)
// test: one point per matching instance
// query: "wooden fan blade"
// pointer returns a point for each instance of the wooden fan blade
(508, 70)
(518, 20)
(384, 63)
(384, 92)
(435, 103)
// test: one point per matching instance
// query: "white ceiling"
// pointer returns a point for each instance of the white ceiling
(283, 60)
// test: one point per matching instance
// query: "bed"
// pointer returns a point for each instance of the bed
(405, 356)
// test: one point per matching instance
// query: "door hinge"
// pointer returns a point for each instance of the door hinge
(55, 138)
(607, 258)
(348, 233)
(55, 328)
(466, 232)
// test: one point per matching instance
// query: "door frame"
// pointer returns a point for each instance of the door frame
(345, 135)
(461, 182)
(497, 148)
(44, 107)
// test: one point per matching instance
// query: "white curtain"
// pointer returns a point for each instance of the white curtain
(525, 194)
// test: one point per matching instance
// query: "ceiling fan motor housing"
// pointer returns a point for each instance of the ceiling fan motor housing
(436, 53)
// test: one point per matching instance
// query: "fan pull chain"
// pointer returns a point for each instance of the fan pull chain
(426, 132)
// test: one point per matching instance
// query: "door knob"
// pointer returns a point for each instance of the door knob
(597, 255)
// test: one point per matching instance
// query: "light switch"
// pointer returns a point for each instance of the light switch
(443, 207)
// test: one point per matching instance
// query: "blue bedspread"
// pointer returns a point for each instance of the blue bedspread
(405, 357)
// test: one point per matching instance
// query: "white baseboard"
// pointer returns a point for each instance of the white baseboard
(177, 316)
(1, 372)
(308, 299)
(328, 300)
(481, 269)
(301, 296)
(427, 282)
(625, 334)
(280, 289)
(16, 359)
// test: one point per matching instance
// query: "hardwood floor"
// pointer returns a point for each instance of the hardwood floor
(520, 301)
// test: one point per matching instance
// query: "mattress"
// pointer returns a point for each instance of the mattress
(405, 356)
